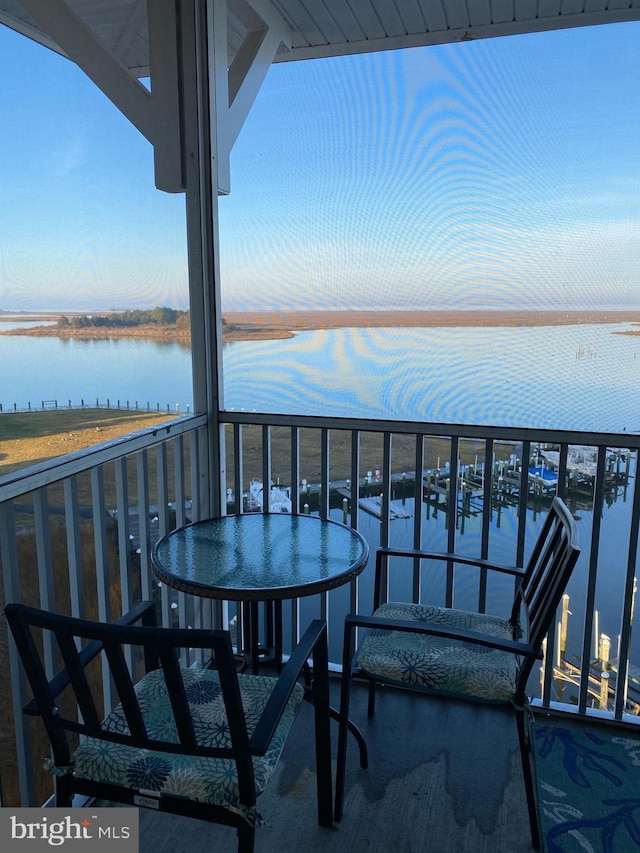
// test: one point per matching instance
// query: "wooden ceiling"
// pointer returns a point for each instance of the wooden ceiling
(320, 28)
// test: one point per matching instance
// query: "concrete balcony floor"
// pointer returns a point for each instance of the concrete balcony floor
(442, 776)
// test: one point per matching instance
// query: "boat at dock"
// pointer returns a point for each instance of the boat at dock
(542, 476)
(463, 488)
(582, 460)
(279, 497)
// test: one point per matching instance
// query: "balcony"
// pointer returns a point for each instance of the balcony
(76, 535)
(404, 801)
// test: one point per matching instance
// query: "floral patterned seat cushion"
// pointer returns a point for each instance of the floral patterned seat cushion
(425, 662)
(209, 780)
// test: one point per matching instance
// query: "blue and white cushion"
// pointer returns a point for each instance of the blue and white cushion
(207, 780)
(429, 663)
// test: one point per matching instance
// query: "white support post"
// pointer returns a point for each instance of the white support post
(166, 115)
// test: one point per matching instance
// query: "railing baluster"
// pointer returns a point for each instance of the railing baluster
(417, 521)
(354, 496)
(163, 521)
(266, 468)
(122, 518)
(102, 562)
(196, 476)
(238, 468)
(354, 485)
(74, 548)
(148, 585)
(295, 469)
(562, 470)
(124, 543)
(487, 513)
(522, 504)
(179, 475)
(44, 559)
(385, 504)
(19, 693)
(238, 462)
(177, 445)
(587, 642)
(628, 607)
(295, 508)
(323, 506)
(324, 503)
(452, 512)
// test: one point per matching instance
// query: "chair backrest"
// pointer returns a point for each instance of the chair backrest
(71, 701)
(547, 572)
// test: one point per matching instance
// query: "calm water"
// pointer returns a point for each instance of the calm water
(569, 377)
(502, 537)
(37, 369)
(575, 377)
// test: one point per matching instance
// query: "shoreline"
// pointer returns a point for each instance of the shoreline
(307, 320)
(32, 438)
(260, 325)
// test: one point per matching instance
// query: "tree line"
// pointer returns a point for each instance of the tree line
(159, 316)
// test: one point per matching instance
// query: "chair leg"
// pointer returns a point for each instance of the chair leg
(62, 791)
(344, 723)
(362, 744)
(246, 837)
(371, 704)
(322, 720)
(529, 781)
(343, 731)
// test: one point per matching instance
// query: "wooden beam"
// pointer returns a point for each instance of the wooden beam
(80, 45)
(249, 77)
(237, 86)
(166, 114)
(156, 114)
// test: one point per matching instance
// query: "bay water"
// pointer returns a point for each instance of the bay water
(583, 377)
(563, 377)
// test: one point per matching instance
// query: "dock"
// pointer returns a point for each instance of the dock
(374, 507)
(539, 479)
(602, 671)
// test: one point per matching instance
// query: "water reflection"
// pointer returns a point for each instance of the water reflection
(523, 377)
(610, 580)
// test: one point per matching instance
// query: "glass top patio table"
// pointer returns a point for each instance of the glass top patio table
(260, 556)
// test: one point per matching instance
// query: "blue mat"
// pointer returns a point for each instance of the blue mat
(588, 782)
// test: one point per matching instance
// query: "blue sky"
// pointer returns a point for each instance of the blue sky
(489, 174)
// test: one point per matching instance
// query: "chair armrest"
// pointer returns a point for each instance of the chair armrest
(451, 556)
(144, 612)
(313, 644)
(378, 623)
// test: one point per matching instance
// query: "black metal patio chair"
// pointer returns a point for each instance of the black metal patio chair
(200, 741)
(455, 653)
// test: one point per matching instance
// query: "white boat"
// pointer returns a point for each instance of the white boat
(279, 498)
(581, 459)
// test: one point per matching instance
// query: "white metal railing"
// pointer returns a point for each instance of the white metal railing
(489, 486)
(76, 534)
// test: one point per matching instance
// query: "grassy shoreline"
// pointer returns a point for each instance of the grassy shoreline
(30, 438)
(260, 325)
